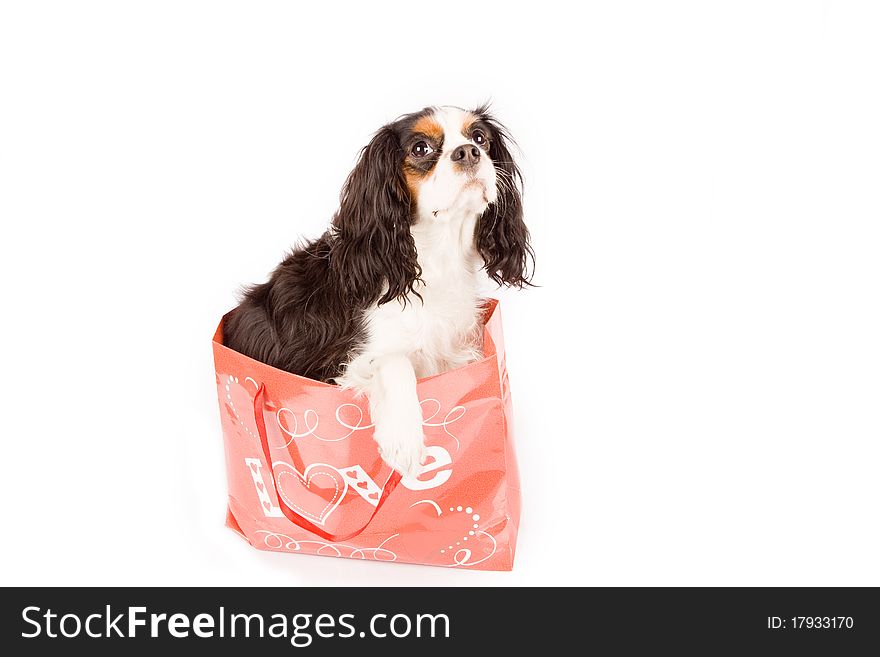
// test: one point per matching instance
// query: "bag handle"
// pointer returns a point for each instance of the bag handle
(289, 513)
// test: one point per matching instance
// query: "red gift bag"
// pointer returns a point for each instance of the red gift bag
(305, 474)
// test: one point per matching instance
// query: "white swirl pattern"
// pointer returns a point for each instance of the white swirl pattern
(278, 541)
(462, 556)
(311, 420)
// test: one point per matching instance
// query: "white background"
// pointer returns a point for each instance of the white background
(696, 382)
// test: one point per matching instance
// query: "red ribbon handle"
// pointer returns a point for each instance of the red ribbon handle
(289, 513)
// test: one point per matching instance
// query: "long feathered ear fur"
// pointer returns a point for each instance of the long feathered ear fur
(501, 235)
(372, 246)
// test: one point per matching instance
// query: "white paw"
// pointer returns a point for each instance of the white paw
(401, 444)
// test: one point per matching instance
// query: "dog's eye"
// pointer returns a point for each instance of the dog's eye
(421, 149)
(479, 137)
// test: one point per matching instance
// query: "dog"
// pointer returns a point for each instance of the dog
(390, 293)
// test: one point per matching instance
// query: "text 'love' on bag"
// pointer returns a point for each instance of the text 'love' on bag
(305, 475)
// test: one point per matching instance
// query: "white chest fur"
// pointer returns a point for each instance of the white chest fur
(442, 330)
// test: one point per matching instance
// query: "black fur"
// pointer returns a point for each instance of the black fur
(307, 319)
(501, 234)
(372, 245)
(298, 321)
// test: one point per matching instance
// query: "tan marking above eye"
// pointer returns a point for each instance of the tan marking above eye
(428, 126)
(469, 120)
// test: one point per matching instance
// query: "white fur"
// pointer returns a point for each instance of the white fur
(442, 330)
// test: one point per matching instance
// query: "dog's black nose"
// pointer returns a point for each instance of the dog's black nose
(467, 155)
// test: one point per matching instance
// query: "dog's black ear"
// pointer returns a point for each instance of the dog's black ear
(372, 247)
(501, 235)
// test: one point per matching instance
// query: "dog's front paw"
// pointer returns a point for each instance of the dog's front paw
(401, 444)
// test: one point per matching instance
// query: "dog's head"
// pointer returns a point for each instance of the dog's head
(431, 165)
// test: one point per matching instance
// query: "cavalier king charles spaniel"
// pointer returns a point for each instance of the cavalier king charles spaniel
(390, 293)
